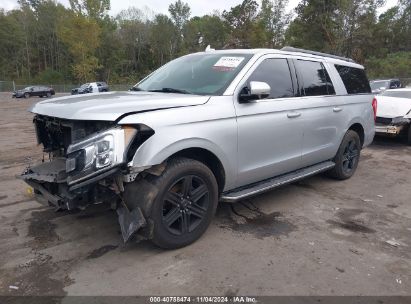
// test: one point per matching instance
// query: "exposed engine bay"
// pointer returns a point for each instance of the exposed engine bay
(86, 164)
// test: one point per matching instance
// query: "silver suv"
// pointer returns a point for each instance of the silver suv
(206, 127)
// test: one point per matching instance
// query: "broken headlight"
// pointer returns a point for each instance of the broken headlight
(400, 120)
(98, 153)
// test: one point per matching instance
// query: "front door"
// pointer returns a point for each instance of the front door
(270, 130)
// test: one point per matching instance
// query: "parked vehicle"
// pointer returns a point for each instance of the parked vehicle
(394, 113)
(39, 91)
(218, 125)
(92, 87)
(379, 86)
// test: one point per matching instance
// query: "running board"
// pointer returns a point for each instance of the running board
(274, 182)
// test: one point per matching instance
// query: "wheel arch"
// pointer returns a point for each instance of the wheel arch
(209, 159)
(359, 129)
(154, 152)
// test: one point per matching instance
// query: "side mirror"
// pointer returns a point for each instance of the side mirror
(257, 90)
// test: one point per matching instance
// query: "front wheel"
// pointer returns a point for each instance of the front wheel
(184, 205)
(26, 95)
(48, 94)
(347, 157)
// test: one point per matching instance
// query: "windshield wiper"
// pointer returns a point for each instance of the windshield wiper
(171, 90)
(136, 89)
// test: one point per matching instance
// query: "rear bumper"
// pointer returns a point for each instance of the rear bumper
(389, 130)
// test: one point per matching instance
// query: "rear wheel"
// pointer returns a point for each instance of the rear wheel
(184, 205)
(348, 156)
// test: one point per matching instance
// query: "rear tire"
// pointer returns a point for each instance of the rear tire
(179, 204)
(347, 157)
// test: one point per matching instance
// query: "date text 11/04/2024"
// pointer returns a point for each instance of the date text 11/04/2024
(203, 299)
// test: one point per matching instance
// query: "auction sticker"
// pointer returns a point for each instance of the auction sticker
(227, 63)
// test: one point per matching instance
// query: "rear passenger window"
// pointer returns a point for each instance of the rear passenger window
(354, 79)
(315, 79)
(276, 73)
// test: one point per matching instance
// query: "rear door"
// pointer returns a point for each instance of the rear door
(324, 116)
(270, 130)
(36, 91)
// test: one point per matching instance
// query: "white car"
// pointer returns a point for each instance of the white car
(394, 113)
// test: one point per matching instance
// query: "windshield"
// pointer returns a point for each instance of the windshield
(85, 85)
(202, 74)
(398, 94)
(28, 88)
(375, 85)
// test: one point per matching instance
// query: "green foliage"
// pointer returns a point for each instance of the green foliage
(44, 42)
(95, 9)
(393, 65)
(49, 76)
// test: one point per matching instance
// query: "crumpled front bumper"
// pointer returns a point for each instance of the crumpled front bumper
(49, 183)
(389, 129)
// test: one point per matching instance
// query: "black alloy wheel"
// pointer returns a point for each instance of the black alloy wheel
(185, 205)
(350, 156)
(347, 157)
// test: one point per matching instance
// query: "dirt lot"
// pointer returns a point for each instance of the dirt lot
(315, 237)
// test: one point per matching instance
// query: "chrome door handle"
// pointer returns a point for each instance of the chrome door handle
(337, 109)
(293, 114)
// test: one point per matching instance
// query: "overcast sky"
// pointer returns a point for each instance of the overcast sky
(198, 7)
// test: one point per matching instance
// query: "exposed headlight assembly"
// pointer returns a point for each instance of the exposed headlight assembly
(400, 120)
(98, 153)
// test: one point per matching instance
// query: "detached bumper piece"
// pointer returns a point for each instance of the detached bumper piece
(130, 222)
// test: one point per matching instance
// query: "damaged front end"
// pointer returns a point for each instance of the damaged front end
(392, 126)
(87, 165)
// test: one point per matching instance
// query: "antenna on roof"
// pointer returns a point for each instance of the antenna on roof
(209, 49)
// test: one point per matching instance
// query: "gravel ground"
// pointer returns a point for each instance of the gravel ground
(315, 237)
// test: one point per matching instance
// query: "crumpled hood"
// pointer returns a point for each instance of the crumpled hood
(391, 107)
(110, 106)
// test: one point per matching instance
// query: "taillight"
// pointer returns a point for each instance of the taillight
(374, 108)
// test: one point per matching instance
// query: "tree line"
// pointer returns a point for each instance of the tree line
(44, 42)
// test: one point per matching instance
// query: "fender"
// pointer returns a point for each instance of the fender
(147, 155)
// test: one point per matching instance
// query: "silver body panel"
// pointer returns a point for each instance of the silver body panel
(254, 141)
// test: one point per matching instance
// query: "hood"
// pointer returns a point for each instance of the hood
(110, 106)
(391, 107)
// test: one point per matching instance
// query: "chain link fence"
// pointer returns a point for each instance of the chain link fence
(10, 86)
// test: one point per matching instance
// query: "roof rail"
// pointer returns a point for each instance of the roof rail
(292, 49)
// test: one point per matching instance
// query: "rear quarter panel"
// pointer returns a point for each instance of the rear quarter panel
(358, 107)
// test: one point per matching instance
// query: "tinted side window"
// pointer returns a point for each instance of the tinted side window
(315, 79)
(276, 73)
(354, 79)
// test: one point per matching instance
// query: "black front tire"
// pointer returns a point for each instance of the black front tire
(179, 204)
(26, 95)
(48, 94)
(347, 157)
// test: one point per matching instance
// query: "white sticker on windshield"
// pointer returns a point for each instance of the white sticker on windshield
(228, 63)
